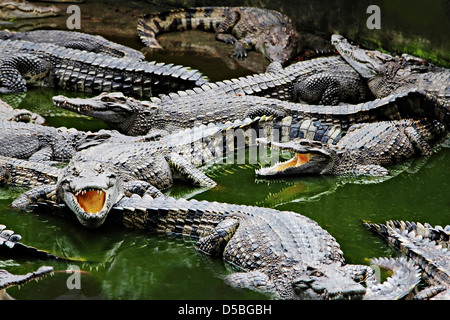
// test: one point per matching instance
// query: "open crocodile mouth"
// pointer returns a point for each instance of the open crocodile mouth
(91, 201)
(309, 157)
(297, 161)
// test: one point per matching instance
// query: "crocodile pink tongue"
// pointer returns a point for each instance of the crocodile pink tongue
(91, 201)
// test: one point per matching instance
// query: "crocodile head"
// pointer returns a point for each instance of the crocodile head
(327, 282)
(367, 63)
(90, 189)
(8, 280)
(123, 113)
(278, 49)
(26, 10)
(311, 157)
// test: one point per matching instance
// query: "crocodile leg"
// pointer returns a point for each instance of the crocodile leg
(188, 171)
(16, 69)
(82, 45)
(223, 31)
(44, 154)
(214, 244)
(141, 188)
(370, 170)
(321, 88)
(239, 50)
(254, 280)
(429, 292)
(42, 193)
(418, 141)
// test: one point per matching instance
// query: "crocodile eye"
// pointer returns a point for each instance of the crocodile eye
(105, 99)
(65, 185)
(121, 99)
(75, 172)
(111, 180)
(317, 273)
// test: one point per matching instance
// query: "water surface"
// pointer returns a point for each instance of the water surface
(127, 264)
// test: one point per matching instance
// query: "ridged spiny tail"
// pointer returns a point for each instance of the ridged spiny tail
(203, 18)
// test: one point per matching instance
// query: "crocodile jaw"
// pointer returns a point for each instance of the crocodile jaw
(8, 280)
(307, 159)
(365, 62)
(281, 167)
(91, 206)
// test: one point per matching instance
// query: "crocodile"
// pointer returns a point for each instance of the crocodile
(25, 10)
(366, 149)
(427, 247)
(45, 143)
(49, 65)
(269, 32)
(386, 74)
(294, 259)
(8, 113)
(75, 40)
(188, 109)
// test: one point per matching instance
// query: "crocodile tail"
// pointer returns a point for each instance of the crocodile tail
(204, 19)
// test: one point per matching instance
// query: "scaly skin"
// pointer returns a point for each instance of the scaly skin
(49, 65)
(267, 31)
(386, 74)
(332, 88)
(365, 150)
(25, 10)
(281, 253)
(406, 277)
(74, 40)
(146, 166)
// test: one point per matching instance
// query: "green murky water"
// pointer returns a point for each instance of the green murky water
(127, 264)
